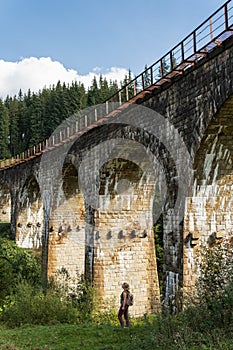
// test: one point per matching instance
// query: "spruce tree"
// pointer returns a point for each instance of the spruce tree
(22, 123)
(12, 105)
(93, 94)
(35, 120)
(4, 131)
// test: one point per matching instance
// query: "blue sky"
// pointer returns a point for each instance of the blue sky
(84, 34)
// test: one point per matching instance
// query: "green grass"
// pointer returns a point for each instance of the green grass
(32, 320)
(108, 337)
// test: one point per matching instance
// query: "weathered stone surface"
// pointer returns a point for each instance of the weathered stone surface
(209, 209)
(89, 205)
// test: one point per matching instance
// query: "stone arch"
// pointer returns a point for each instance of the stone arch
(30, 221)
(124, 237)
(5, 204)
(67, 226)
(209, 209)
(151, 143)
(106, 135)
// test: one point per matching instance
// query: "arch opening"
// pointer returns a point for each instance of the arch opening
(5, 209)
(209, 210)
(30, 219)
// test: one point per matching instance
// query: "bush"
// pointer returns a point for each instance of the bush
(5, 230)
(29, 305)
(16, 264)
(76, 291)
(213, 305)
(62, 303)
(215, 273)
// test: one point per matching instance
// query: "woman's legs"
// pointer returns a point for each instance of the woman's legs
(120, 314)
(124, 312)
(126, 316)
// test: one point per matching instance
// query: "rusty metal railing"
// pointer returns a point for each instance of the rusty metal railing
(206, 37)
(198, 44)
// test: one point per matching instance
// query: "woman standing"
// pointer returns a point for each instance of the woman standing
(123, 310)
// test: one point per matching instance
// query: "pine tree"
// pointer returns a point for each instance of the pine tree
(104, 89)
(33, 117)
(4, 131)
(93, 94)
(35, 120)
(113, 87)
(12, 105)
(127, 87)
(22, 123)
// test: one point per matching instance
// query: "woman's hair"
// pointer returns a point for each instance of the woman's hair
(125, 285)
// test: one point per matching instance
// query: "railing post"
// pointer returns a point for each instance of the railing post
(171, 61)
(182, 51)
(127, 93)
(143, 82)
(119, 94)
(151, 76)
(85, 121)
(211, 29)
(106, 107)
(161, 67)
(226, 16)
(194, 42)
(135, 87)
(96, 115)
(112, 103)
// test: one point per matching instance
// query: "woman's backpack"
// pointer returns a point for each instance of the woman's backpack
(129, 299)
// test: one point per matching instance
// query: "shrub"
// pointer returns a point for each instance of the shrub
(75, 290)
(63, 302)
(29, 305)
(16, 264)
(215, 273)
(5, 230)
(213, 305)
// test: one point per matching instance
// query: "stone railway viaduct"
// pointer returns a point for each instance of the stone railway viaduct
(91, 202)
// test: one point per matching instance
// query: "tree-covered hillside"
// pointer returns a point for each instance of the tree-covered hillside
(27, 119)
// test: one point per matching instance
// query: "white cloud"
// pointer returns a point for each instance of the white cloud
(36, 73)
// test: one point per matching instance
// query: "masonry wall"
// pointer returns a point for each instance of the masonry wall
(209, 209)
(66, 246)
(5, 204)
(191, 104)
(30, 218)
(124, 242)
